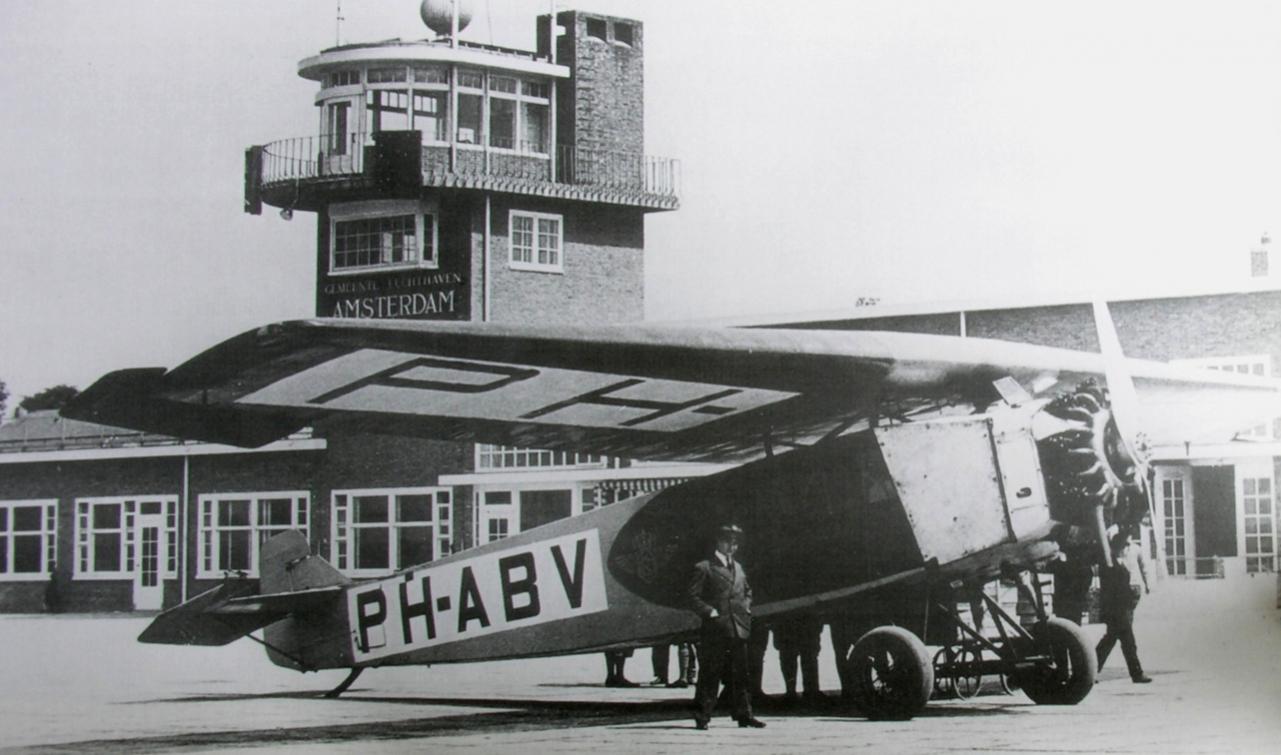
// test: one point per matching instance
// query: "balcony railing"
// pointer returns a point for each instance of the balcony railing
(319, 157)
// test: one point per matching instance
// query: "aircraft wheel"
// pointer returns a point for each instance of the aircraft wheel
(1068, 675)
(893, 676)
(967, 673)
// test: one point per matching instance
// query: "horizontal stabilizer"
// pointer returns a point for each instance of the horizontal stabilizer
(230, 611)
(279, 604)
(197, 623)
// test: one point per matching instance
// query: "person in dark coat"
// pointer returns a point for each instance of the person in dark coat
(1073, 574)
(720, 594)
(798, 639)
(1118, 597)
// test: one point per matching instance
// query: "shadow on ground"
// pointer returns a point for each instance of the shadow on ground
(509, 715)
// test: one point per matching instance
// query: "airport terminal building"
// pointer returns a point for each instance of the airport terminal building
(457, 181)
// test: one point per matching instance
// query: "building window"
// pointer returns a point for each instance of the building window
(490, 457)
(470, 107)
(431, 75)
(107, 537)
(623, 34)
(1260, 532)
(471, 79)
(337, 136)
(497, 515)
(28, 539)
(518, 115)
(233, 527)
(386, 75)
(367, 236)
(596, 28)
(342, 78)
(429, 116)
(387, 110)
(535, 241)
(1258, 365)
(385, 530)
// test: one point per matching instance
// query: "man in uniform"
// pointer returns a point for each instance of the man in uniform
(1118, 596)
(720, 595)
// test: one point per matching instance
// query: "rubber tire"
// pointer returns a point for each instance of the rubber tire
(904, 691)
(1044, 686)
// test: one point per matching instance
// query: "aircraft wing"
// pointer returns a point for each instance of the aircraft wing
(645, 392)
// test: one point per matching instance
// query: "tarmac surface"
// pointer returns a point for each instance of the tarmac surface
(80, 684)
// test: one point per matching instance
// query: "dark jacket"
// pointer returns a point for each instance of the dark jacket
(1117, 597)
(725, 590)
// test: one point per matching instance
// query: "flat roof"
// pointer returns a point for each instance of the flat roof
(428, 51)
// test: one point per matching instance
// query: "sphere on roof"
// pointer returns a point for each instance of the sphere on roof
(439, 15)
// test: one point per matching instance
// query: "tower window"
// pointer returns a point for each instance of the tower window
(369, 236)
(596, 28)
(623, 34)
(536, 240)
(386, 75)
(342, 78)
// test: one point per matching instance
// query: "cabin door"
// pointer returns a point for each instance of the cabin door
(148, 581)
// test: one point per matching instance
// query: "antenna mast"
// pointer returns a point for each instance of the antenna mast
(338, 19)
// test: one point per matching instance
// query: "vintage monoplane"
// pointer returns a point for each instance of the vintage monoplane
(884, 478)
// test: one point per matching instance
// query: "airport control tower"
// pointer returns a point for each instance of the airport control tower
(461, 181)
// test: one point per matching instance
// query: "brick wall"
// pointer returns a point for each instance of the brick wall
(604, 275)
(603, 106)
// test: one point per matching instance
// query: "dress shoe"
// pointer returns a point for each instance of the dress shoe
(658, 682)
(748, 722)
(700, 724)
(1142, 679)
(678, 684)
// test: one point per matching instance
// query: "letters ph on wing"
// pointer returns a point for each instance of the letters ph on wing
(388, 381)
(517, 587)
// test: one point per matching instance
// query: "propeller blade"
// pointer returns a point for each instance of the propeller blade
(1125, 399)
(1125, 412)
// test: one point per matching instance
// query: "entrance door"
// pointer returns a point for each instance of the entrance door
(341, 144)
(1174, 486)
(148, 580)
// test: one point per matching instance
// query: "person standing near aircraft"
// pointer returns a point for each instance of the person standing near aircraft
(1118, 597)
(720, 594)
(1073, 573)
(797, 638)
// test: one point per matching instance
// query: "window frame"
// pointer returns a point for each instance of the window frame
(342, 526)
(48, 534)
(533, 265)
(521, 100)
(1252, 479)
(208, 532)
(85, 548)
(346, 212)
(494, 458)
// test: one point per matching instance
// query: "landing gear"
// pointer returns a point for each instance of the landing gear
(958, 670)
(892, 673)
(345, 684)
(1051, 661)
(1064, 668)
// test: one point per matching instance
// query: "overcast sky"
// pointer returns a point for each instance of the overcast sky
(911, 151)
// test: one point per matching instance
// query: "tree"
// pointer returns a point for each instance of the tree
(4, 397)
(50, 398)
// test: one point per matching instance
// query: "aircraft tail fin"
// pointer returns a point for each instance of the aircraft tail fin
(292, 580)
(286, 564)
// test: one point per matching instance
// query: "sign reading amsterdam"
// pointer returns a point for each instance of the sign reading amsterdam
(423, 295)
(518, 587)
(377, 380)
